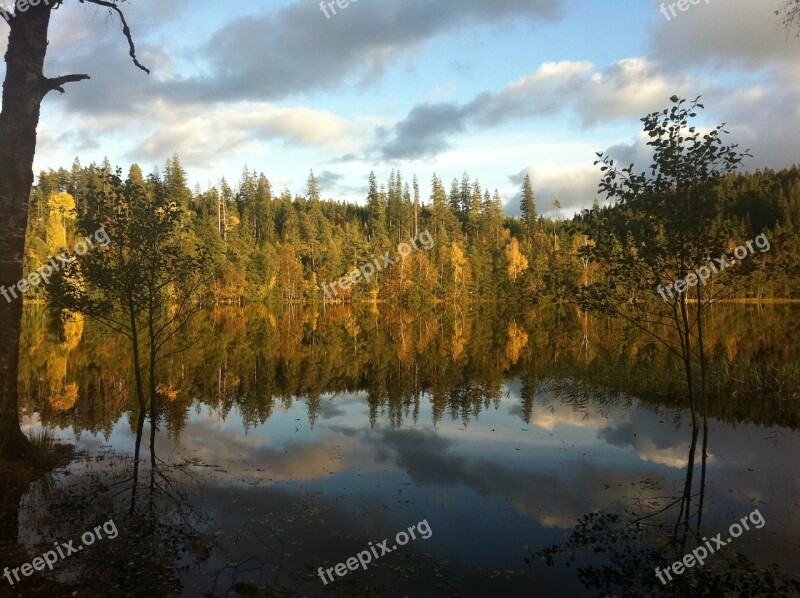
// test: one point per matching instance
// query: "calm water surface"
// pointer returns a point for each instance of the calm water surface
(291, 441)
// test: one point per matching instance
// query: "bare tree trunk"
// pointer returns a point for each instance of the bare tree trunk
(12, 490)
(23, 91)
(24, 88)
(704, 397)
(137, 361)
(686, 500)
(687, 359)
(135, 486)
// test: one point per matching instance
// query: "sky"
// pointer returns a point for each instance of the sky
(497, 88)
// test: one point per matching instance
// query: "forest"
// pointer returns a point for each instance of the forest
(270, 245)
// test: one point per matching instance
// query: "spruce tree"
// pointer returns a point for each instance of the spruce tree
(528, 205)
(312, 187)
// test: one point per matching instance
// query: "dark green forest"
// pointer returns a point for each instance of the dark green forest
(269, 245)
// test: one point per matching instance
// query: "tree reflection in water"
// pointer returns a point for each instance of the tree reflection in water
(617, 553)
(451, 365)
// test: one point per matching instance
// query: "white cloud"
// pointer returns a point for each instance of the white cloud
(629, 87)
(574, 185)
(745, 34)
(246, 127)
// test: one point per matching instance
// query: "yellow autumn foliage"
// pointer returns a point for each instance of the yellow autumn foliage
(61, 203)
(459, 340)
(517, 262)
(458, 260)
(61, 206)
(65, 398)
(517, 340)
(62, 396)
(352, 327)
(73, 331)
(168, 391)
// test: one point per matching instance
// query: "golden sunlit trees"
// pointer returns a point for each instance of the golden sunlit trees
(517, 262)
(517, 340)
(61, 208)
(458, 262)
(145, 283)
(290, 273)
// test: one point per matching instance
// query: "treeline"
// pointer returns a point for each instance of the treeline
(456, 361)
(270, 245)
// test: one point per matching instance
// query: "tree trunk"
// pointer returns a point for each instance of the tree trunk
(23, 91)
(12, 490)
(137, 450)
(137, 361)
(687, 360)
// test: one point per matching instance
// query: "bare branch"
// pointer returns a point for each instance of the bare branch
(126, 31)
(635, 322)
(57, 83)
(111, 324)
(789, 14)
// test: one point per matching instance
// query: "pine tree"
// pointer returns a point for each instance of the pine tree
(312, 188)
(265, 227)
(416, 207)
(406, 209)
(495, 218)
(528, 206)
(174, 180)
(77, 186)
(440, 207)
(466, 196)
(135, 175)
(455, 197)
(475, 212)
(376, 209)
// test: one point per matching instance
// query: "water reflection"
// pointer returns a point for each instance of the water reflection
(290, 440)
(658, 546)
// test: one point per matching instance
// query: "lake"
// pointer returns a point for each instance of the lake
(542, 452)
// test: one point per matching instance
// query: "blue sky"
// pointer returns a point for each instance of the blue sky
(495, 87)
